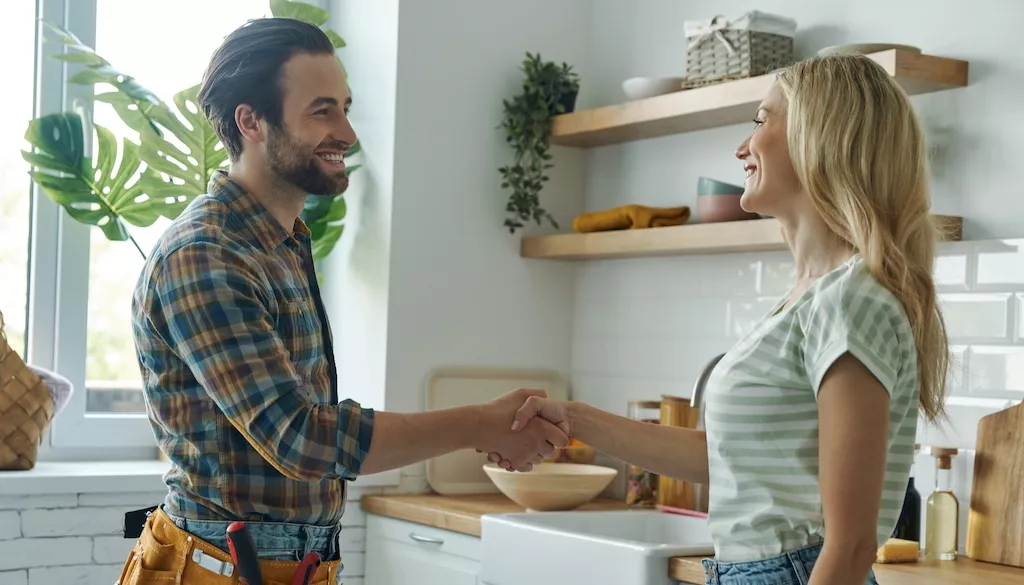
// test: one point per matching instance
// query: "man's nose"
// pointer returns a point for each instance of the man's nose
(345, 132)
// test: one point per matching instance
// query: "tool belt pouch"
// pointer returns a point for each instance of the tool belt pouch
(165, 554)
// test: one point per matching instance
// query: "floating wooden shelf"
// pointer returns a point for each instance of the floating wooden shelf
(730, 102)
(759, 235)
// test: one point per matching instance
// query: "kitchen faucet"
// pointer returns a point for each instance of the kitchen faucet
(700, 491)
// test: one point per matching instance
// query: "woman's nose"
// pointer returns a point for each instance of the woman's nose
(744, 149)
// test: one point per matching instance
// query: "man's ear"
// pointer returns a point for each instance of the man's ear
(248, 123)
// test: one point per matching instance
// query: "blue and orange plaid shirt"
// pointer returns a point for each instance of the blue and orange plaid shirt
(238, 368)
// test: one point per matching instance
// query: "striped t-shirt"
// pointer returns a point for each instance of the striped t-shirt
(762, 413)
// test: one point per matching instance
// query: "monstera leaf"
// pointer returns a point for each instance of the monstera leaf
(306, 12)
(181, 171)
(135, 104)
(101, 192)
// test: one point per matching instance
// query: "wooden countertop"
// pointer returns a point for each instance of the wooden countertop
(962, 571)
(462, 514)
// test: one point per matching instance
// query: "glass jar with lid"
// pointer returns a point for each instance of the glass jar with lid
(641, 484)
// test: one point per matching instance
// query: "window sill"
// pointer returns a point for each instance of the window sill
(83, 477)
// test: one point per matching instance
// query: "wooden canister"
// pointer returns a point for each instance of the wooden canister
(675, 493)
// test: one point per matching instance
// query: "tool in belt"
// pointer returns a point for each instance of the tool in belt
(243, 551)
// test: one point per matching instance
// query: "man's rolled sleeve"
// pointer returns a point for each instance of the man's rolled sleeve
(215, 306)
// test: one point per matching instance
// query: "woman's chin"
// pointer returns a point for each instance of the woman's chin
(749, 202)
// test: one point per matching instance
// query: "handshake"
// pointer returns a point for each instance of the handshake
(522, 428)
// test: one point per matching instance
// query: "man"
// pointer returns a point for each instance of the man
(234, 343)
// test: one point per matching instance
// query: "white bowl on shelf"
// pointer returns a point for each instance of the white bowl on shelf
(644, 87)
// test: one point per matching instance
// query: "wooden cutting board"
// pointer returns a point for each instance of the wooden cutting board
(995, 525)
(462, 472)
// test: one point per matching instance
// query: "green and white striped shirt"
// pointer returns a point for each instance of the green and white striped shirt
(762, 413)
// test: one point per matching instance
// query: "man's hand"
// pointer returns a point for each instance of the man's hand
(536, 406)
(522, 440)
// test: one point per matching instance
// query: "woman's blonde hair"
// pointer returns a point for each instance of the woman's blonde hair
(858, 150)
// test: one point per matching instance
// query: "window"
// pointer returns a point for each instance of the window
(181, 47)
(79, 284)
(17, 37)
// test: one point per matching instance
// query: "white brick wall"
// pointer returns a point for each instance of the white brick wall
(647, 327)
(76, 539)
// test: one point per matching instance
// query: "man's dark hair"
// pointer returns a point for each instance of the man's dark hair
(246, 69)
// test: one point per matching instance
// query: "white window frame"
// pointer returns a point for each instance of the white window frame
(59, 269)
(59, 273)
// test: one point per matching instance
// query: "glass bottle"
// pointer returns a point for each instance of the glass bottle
(943, 510)
(642, 485)
(908, 527)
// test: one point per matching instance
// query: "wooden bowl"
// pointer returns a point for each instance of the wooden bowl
(719, 208)
(552, 486)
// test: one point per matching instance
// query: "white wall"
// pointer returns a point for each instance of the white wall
(646, 327)
(356, 274)
(459, 293)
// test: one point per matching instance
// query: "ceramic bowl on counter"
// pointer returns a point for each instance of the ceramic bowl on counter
(552, 486)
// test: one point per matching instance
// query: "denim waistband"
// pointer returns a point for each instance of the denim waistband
(274, 540)
(791, 568)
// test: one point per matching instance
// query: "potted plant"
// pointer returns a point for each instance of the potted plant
(100, 191)
(548, 89)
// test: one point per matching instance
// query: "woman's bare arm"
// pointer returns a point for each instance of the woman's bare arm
(853, 415)
(670, 451)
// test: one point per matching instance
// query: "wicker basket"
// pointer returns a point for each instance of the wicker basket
(26, 409)
(721, 50)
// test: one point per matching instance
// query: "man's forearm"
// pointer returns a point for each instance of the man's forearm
(404, 439)
(671, 451)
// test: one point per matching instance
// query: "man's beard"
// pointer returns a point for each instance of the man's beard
(295, 163)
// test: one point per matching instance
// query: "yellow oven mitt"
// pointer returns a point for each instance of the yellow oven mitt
(630, 217)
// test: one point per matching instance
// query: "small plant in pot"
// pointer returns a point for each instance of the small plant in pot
(548, 89)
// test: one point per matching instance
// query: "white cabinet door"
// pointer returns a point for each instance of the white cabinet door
(403, 553)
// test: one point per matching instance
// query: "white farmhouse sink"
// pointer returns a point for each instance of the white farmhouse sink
(616, 547)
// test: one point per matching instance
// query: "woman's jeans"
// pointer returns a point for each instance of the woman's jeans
(792, 568)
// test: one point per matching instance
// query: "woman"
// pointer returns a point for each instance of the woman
(811, 418)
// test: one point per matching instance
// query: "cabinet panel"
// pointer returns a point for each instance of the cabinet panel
(399, 553)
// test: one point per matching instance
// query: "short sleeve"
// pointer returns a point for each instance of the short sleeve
(862, 318)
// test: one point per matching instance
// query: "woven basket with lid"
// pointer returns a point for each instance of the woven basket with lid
(26, 409)
(722, 50)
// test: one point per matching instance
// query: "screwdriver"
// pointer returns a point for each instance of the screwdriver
(243, 554)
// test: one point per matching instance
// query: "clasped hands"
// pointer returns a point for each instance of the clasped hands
(522, 428)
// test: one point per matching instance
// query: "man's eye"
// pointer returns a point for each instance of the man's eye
(321, 112)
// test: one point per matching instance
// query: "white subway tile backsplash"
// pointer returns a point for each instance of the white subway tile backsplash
(1000, 263)
(997, 371)
(978, 316)
(745, 313)
(951, 268)
(1019, 338)
(646, 327)
(662, 319)
(778, 274)
(956, 382)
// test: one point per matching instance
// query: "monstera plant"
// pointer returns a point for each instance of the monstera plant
(130, 183)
